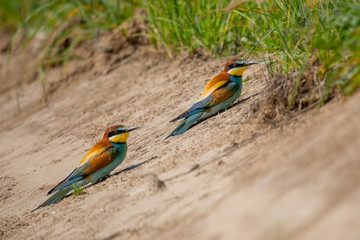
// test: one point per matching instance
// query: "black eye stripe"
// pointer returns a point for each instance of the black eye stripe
(234, 65)
(115, 132)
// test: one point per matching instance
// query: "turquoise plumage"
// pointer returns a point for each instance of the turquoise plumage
(219, 93)
(102, 158)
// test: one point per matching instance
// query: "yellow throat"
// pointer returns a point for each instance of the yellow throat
(119, 138)
(237, 71)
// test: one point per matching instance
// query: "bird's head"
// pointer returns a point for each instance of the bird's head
(236, 67)
(118, 134)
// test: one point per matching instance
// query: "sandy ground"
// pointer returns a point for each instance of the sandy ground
(233, 176)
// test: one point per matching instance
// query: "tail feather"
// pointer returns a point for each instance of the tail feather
(185, 125)
(66, 182)
(186, 114)
(60, 194)
(56, 197)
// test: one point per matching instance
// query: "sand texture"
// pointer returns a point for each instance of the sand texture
(233, 176)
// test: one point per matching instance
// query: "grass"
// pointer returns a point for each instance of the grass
(321, 37)
(61, 25)
(186, 26)
(78, 190)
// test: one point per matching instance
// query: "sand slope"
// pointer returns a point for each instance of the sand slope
(233, 176)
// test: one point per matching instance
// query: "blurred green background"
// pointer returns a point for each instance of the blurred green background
(321, 36)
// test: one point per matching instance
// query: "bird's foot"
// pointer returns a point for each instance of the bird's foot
(104, 178)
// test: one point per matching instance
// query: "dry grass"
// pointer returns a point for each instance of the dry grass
(288, 96)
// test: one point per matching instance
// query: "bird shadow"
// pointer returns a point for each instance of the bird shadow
(134, 166)
(121, 171)
(228, 108)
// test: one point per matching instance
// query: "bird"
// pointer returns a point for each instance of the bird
(219, 93)
(97, 164)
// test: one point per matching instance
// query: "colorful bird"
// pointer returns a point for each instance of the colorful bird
(102, 158)
(219, 93)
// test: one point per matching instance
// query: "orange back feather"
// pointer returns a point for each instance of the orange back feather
(101, 161)
(99, 147)
(217, 81)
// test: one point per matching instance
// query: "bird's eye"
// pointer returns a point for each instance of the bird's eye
(117, 131)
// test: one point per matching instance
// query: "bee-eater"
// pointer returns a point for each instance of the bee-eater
(101, 159)
(219, 93)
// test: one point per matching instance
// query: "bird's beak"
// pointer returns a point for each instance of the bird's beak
(131, 129)
(250, 63)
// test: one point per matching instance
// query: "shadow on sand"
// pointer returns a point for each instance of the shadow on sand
(121, 171)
